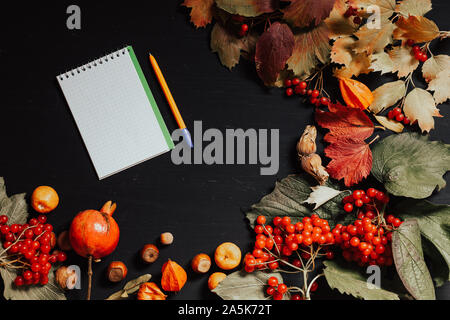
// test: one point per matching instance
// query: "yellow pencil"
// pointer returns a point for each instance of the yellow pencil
(171, 101)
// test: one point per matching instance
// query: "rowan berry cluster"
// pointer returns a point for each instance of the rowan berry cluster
(301, 87)
(352, 11)
(419, 54)
(397, 115)
(27, 247)
(367, 240)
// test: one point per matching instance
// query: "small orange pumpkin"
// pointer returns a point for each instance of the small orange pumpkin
(355, 93)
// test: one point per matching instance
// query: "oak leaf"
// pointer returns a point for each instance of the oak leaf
(387, 7)
(351, 158)
(434, 65)
(310, 48)
(420, 106)
(381, 61)
(248, 8)
(227, 45)
(441, 86)
(413, 7)
(417, 28)
(373, 40)
(387, 95)
(201, 13)
(404, 61)
(337, 23)
(303, 13)
(273, 49)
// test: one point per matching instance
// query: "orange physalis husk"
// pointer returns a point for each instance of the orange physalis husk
(150, 291)
(173, 276)
(355, 93)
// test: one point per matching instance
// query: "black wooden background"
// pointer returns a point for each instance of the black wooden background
(201, 205)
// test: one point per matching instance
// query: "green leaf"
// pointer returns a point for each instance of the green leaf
(410, 263)
(410, 165)
(130, 288)
(241, 285)
(50, 291)
(438, 267)
(350, 280)
(247, 8)
(288, 197)
(16, 209)
(434, 225)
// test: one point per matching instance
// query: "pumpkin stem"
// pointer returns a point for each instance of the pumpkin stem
(90, 273)
(108, 208)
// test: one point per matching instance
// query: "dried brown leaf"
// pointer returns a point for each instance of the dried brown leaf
(360, 64)
(434, 65)
(273, 49)
(310, 48)
(303, 13)
(382, 62)
(387, 7)
(441, 86)
(413, 7)
(373, 40)
(337, 24)
(390, 124)
(201, 13)
(387, 95)
(248, 8)
(417, 28)
(342, 51)
(420, 106)
(404, 61)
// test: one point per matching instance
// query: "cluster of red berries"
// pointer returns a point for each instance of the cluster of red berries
(243, 30)
(28, 245)
(397, 115)
(275, 289)
(285, 238)
(352, 11)
(300, 87)
(419, 54)
(367, 240)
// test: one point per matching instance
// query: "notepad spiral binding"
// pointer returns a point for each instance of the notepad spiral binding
(93, 64)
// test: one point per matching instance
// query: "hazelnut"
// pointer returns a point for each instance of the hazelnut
(149, 253)
(201, 263)
(166, 238)
(307, 143)
(64, 242)
(66, 277)
(117, 271)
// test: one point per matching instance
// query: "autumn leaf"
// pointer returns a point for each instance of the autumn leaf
(360, 64)
(351, 156)
(413, 7)
(434, 65)
(417, 28)
(201, 13)
(381, 61)
(303, 13)
(390, 124)
(247, 8)
(273, 49)
(321, 195)
(354, 64)
(420, 106)
(404, 61)
(338, 25)
(441, 86)
(227, 45)
(310, 48)
(387, 7)
(387, 95)
(342, 51)
(373, 40)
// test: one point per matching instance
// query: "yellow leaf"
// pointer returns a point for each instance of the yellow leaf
(390, 124)
(360, 64)
(420, 106)
(342, 52)
(387, 7)
(373, 40)
(382, 62)
(434, 65)
(202, 11)
(414, 7)
(404, 61)
(441, 86)
(417, 28)
(387, 95)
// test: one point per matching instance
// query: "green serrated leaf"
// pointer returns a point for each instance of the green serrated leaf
(241, 285)
(434, 225)
(410, 165)
(410, 263)
(438, 267)
(130, 287)
(288, 197)
(350, 280)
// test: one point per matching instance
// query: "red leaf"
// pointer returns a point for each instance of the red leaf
(273, 49)
(351, 158)
(301, 13)
(202, 11)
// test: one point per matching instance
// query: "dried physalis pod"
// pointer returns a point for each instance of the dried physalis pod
(312, 164)
(117, 271)
(173, 276)
(66, 277)
(355, 93)
(149, 253)
(307, 143)
(150, 291)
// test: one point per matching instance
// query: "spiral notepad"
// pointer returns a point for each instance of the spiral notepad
(115, 112)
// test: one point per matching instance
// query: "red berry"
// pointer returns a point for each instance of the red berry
(309, 92)
(19, 281)
(3, 219)
(289, 92)
(273, 282)
(357, 194)
(357, 20)
(397, 222)
(348, 207)
(290, 228)
(14, 228)
(286, 221)
(261, 220)
(330, 255)
(397, 111)
(315, 93)
(406, 121)
(295, 81)
(303, 85)
(359, 203)
(270, 291)
(298, 90)
(324, 101)
(244, 28)
(43, 280)
(296, 297)
(33, 222)
(287, 83)
(27, 275)
(410, 42)
(277, 296)
(354, 241)
(399, 117)
(423, 57)
(282, 288)
(4, 229)
(371, 192)
(416, 49)
(314, 286)
(391, 115)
